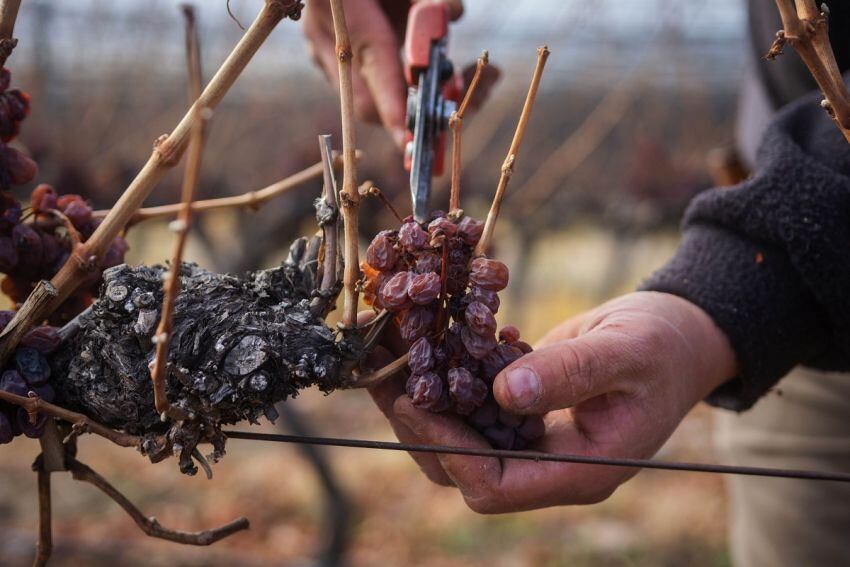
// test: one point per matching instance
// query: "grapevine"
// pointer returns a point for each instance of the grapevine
(97, 346)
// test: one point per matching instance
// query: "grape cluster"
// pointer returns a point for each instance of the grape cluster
(15, 167)
(445, 301)
(35, 243)
(28, 371)
(34, 251)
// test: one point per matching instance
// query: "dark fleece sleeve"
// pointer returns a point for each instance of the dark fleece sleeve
(769, 259)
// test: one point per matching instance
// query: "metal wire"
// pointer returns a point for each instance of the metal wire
(537, 456)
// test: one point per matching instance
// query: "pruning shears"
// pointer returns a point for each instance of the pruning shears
(433, 93)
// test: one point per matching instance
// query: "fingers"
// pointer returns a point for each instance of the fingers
(455, 8)
(378, 81)
(534, 484)
(491, 486)
(569, 372)
(475, 477)
(377, 58)
(379, 63)
(385, 395)
(363, 317)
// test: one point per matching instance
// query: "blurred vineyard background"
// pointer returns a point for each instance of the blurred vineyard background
(636, 94)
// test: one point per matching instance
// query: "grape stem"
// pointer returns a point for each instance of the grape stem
(44, 546)
(510, 160)
(349, 196)
(456, 124)
(73, 233)
(171, 283)
(328, 218)
(35, 405)
(368, 188)
(806, 29)
(8, 15)
(166, 154)
(374, 378)
(251, 200)
(151, 526)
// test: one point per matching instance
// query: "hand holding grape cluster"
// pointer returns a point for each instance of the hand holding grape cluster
(445, 303)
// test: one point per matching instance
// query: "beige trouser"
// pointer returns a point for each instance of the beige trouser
(785, 522)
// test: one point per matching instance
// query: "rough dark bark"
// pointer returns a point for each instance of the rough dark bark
(239, 346)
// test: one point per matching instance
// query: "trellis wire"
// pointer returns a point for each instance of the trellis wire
(537, 456)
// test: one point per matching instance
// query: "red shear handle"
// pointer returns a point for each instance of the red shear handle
(426, 23)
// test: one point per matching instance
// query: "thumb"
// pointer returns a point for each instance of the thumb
(569, 372)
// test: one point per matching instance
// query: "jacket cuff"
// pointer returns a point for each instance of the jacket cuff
(753, 294)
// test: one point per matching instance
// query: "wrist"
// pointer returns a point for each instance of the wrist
(713, 360)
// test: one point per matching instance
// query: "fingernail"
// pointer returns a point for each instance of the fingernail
(398, 137)
(523, 386)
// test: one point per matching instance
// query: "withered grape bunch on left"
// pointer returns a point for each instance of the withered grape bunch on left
(35, 242)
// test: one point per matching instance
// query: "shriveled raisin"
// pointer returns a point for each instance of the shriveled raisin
(421, 356)
(44, 339)
(32, 366)
(427, 391)
(489, 274)
(480, 319)
(381, 253)
(412, 237)
(11, 381)
(485, 416)
(415, 323)
(428, 262)
(19, 167)
(487, 297)
(444, 225)
(424, 288)
(467, 391)
(43, 198)
(6, 317)
(28, 243)
(523, 346)
(479, 346)
(393, 294)
(509, 334)
(532, 428)
(78, 212)
(31, 430)
(509, 419)
(509, 353)
(471, 229)
(8, 254)
(491, 365)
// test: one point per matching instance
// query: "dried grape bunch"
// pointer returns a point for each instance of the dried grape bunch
(34, 244)
(28, 371)
(445, 302)
(239, 346)
(15, 167)
(33, 249)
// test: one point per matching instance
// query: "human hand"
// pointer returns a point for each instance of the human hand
(375, 28)
(615, 382)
